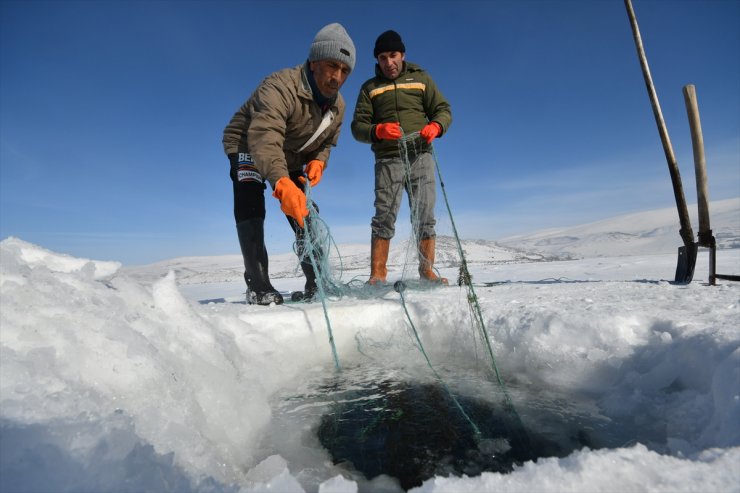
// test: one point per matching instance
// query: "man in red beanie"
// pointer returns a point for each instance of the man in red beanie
(400, 100)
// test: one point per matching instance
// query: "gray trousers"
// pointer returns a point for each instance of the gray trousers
(390, 182)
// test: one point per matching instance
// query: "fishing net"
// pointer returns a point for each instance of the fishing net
(318, 247)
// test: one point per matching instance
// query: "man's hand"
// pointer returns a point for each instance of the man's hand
(292, 199)
(314, 170)
(430, 131)
(388, 131)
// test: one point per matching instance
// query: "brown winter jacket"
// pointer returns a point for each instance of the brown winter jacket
(277, 120)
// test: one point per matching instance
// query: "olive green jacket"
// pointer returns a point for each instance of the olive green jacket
(277, 120)
(411, 99)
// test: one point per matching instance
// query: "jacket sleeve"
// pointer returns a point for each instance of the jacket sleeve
(235, 133)
(270, 108)
(436, 106)
(362, 122)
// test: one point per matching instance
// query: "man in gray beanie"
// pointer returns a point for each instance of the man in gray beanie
(283, 134)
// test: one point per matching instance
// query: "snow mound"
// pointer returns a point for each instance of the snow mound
(109, 383)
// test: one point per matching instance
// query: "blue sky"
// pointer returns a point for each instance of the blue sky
(111, 114)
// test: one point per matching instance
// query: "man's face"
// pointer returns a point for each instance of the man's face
(329, 76)
(391, 63)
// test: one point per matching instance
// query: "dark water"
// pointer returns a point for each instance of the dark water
(416, 431)
(375, 421)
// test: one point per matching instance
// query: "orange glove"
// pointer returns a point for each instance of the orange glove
(388, 131)
(292, 199)
(314, 170)
(430, 131)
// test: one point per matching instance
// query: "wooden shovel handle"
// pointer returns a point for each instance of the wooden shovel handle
(700, 163)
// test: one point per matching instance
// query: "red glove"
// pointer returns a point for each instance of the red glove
(430, 131)
(388, 131)
(314, 170)
(292, 199)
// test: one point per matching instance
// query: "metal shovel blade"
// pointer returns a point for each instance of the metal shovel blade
(686, 263)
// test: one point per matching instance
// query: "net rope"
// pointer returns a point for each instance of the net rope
(318, 247)
(409, 145)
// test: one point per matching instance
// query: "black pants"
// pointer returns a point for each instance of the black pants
(249, 200)
(249, 203)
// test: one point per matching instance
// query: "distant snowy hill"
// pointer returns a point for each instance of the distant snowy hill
(645, 233)
(354, 259)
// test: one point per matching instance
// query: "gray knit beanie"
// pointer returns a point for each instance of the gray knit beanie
(333, 42)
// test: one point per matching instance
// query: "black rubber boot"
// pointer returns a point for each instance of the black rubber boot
(252, 242)
(310, 289)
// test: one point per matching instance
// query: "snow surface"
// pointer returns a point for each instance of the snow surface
(120, 379)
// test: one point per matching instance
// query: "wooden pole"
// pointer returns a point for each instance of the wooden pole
(700, 163)
(706, 238)
(683, 212)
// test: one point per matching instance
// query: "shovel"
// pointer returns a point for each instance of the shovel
(686, 253)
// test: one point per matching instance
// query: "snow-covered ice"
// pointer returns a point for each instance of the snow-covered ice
(118, 379)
